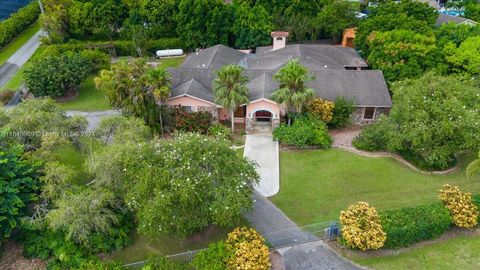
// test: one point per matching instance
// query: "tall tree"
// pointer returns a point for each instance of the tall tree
(203, 23)
(344, 14)
(137, 88)
(252, 26)
(293, 91)
(230, 89)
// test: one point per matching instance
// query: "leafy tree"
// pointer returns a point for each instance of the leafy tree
(18, 184)
(107, 16)
(472, 10)
(32, 119)
(434, 118)
(293, 91)
(401, 54)
(178, 186)
(84, 214)
(342, 112)
(474, 167)
(138, 89)
(335, 17)
(120, 129)
(51, 75)
(160, 15)
(391, 15)
(252, 26)
(203, 23)
(456, 33)
(55, 20)
(467, 56)
(230, 89)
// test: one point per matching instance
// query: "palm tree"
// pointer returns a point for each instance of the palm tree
(293, 92)
(230, 89)
(474, 167)
(158, 81)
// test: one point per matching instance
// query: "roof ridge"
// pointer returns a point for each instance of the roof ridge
(214, 55)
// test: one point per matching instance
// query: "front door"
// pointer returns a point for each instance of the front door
(263, 116)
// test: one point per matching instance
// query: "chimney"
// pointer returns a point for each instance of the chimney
(279, 40)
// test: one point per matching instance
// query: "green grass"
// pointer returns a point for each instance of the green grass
(143, 246)
(171, 62)
(89, 98)
(317, 184)
(18, 42)
(460, 252)
(16, 81)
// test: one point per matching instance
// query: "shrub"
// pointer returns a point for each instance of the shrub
(51, 75)
(248, 249)
(323, 109)
(461, 206)
(374, 137)
(220, 131)
(361, 227)
(409, 225)
(6, 96)
(214, 257)
(342, 112)
(98, 59)
(192, 121)
(305, 131)
(17, 22)
(163, 263)
(122, 47)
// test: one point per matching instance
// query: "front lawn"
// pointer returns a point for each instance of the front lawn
(89, 98)
(315, 185)
(7, 51)
(460, 252)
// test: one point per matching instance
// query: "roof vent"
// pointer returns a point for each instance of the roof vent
(279, 40)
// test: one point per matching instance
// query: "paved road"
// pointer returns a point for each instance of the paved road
(94, 118)
(19, 58)
(263, 150)
(309, 253)
(314, 256)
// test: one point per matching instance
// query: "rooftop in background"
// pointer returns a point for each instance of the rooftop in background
(8, 7)
(444, 18)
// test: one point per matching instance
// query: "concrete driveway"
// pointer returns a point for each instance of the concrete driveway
(263, 150)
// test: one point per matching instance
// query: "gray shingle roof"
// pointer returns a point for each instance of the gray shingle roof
(366, 87)
(213, 58)
(444, 18)
(326, 62)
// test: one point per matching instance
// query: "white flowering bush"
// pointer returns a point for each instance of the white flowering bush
(180, 185)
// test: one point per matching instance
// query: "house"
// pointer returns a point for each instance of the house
(338, 71)
(444, 18)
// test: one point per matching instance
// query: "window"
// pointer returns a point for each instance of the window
(188, 108)
(279, 38)
(369, 113)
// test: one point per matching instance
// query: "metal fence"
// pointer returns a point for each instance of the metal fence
(278, 239)
(17, 98)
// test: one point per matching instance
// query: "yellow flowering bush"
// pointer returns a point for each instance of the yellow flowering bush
(361, 227)
(248, 249)
(322, 109)
(464, 212)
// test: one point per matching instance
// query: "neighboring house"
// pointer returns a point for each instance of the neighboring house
(338, 72)
(444, 18)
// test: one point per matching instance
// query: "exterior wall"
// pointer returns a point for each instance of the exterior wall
(348, 37)
(357, 116)
(262, 105)
(196, 104)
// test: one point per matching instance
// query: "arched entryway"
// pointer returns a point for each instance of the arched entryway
(263, 116)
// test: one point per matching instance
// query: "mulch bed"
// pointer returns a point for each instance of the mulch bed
(70, 94)
(12, 258)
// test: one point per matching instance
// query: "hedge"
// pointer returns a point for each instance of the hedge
(476, 201)
(17, 22)
(122, 47)
(409, 225)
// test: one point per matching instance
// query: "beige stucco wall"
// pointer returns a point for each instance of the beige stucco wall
(263, 105)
